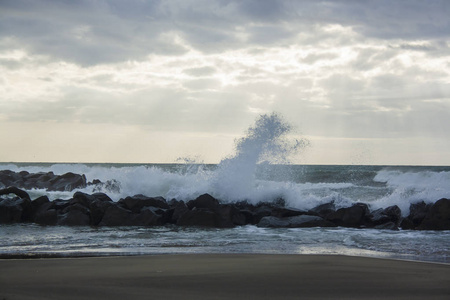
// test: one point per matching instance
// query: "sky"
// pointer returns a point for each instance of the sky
(365, 82)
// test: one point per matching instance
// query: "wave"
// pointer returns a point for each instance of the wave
(260, 170)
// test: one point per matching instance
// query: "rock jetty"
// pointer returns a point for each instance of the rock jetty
(98, 209)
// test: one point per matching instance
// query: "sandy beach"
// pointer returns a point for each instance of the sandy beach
(222, 277)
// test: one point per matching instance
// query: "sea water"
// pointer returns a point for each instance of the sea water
(259, 171)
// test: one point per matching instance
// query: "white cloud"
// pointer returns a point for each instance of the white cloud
(336, 69)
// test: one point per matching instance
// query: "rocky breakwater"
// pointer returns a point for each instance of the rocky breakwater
(98, 209)
(42, 180)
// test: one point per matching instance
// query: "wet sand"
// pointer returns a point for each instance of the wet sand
(235, 276)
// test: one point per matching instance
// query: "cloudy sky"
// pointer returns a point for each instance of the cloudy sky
(367, 82)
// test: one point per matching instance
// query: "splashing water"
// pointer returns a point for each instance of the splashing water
(266, 141)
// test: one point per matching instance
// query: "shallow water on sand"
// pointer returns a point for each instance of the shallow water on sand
(29, 240)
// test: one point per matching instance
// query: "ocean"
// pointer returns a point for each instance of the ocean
(301, 186)
(260, 170)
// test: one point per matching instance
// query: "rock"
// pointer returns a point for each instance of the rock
(117, 216)
(10, 211)
(98, 206)
(309, 221)
(203, 218)
(231, 214)
(204, 201)
(146, 218)
(353, 216)
(16, 191)
(417, 212)
(302, 221)
(179, 209)
(74, 217)
(407, 224)
(273, 222)
(137, 202)
(391, 214)
(261, 212)
(387, 225)
(323, 210)
(60, 204)
(437, 217)
(46, 215)
(38, 202)
(282, 212)
(67, 182)
(15, 210)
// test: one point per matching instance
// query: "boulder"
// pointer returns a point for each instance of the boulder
(117, 216)
(179, 209)
(273, 222)
(46, 215)
(137, 202)
(387, 225)
(204, 201)
(354, 216)
(283, 212)
(437, 217)
(391, 214)
(98, 207)
(302, 221)
(147, 217)
(231, 214)
(16, 191)
(418, 211)
(323, 210)
(74, 217)
(11, 210)
(67, 182)
(203, 218)
(309, 221)
(17, 209)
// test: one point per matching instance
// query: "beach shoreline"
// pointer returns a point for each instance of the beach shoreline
(223, 276)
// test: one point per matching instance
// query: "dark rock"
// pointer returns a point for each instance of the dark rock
(117, 216)
(385, 215)
(273, 222)
(60, 204)
(76, 206)
(261, 212)
(137, 202)
(407, 224)
(417, 212)
(387, 225)
(394, 212)
(204, 201)
(282, 212)
(11, 210)
(437, 217)
(98, 208)
(323, 210)
(16, 191)
(147, 218)
(309, 221)
(102, 197)
(249, 216)
(203, 218)
(179, 209)
(16, 209)
(67, 182)
(230, 214)
(354, 216)
(46, 215)
(38, 202)
(295, 222)
(74, 217)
